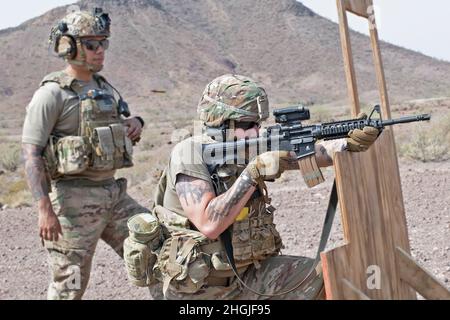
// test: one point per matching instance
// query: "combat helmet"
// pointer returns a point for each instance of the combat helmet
(66, 35)
(232, 98)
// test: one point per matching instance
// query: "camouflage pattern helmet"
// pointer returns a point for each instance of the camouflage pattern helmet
(80, 24)
(233, 97)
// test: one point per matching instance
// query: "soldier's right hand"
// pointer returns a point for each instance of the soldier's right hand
(49, 226)
(270, 165)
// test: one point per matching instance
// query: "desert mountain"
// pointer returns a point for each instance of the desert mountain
(178, 46)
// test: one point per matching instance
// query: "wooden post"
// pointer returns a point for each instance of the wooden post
(374, 224)
(358, 7)
(375, 262)
(379, 70)
(348, 58)
(420, 279)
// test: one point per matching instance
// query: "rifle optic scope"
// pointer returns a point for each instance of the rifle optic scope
(291, 114)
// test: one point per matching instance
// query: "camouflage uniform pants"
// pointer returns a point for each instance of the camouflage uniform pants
(274, 275)
(87, 212)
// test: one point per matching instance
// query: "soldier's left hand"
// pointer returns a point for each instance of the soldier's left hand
(360, 140)
(134, 128)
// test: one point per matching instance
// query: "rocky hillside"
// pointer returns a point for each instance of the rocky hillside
(178, 46)
(163, 52)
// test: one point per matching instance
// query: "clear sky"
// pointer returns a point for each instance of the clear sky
(14, 12)
(414, 24)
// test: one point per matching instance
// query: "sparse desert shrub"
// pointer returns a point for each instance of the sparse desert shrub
(17, 186)
(10, 156)
(17, 199)
(430, 143)
(15, 192)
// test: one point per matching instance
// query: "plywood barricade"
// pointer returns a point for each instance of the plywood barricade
(375, 262)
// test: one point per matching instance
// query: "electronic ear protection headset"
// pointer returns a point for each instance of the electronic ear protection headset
(65, 44)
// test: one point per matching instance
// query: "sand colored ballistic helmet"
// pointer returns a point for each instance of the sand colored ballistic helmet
(233, 97)
(66, 35)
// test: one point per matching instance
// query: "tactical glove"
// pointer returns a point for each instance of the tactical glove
(269, 165)
(361, 140)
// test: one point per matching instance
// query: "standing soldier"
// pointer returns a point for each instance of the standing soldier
(77, 132)
(199, 203)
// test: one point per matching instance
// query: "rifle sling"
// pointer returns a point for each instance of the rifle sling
(326, 229)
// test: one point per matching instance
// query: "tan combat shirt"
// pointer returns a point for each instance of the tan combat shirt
(55, 111)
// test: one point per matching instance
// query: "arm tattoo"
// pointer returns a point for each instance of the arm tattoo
(192, 189)
(221, 206)
(35, 171)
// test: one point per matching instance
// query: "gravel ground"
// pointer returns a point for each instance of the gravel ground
(426, 190)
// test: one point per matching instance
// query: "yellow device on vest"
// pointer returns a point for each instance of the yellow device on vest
(243, 214)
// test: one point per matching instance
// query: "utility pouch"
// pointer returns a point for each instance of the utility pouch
(181, 263)
(128, 154)
(50, 157)
(123, 154)
(118, 133)
(103, 149)
(141, 247)
(72, 155)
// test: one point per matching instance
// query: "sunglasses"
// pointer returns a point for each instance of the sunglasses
(92, 45)
(247, 125)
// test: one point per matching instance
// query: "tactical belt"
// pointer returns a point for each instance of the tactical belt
(227, 243)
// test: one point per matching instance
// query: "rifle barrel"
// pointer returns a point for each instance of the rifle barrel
(420, 117)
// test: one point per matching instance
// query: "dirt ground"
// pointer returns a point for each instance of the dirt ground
(426, 190)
